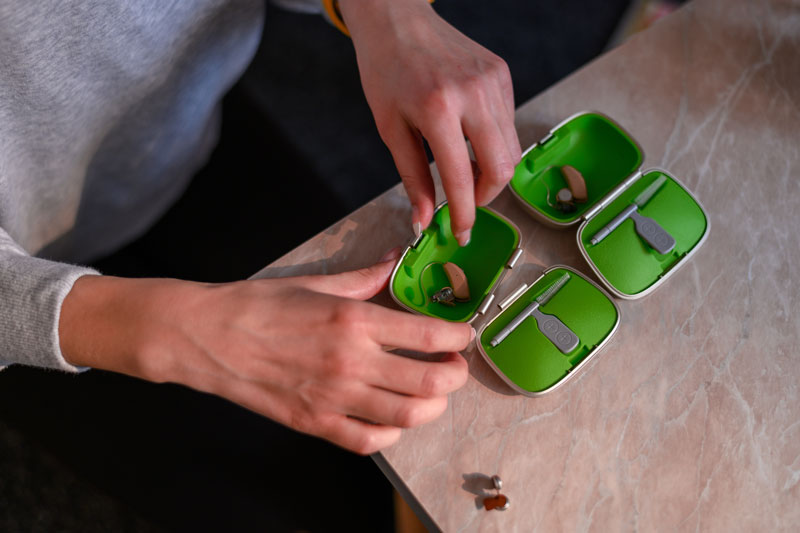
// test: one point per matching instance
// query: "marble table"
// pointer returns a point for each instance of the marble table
(690, 418)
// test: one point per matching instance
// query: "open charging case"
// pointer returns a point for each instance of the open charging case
(609, 160)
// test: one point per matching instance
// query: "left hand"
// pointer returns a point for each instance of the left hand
(306, 351)
(423, 78)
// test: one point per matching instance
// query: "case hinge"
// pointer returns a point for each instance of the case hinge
(514, 258)
(485, 305)
(511, 297)
(545, 138)
(613, 196)
(672, 265)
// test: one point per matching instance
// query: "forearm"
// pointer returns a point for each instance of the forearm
(125, 325)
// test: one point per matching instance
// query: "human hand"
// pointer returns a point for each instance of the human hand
(304, 351)
(423, 78)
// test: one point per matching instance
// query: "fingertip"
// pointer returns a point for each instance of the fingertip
(421, 212)
(391, 435)
(425, 213)
(416, 225)
(467, 334)
(373, 438)
(461, 223)
(464, 237)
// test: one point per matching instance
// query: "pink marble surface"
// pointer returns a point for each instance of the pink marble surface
(690, 418)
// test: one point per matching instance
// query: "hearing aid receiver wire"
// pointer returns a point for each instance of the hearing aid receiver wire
(421, 285)
(552, 328)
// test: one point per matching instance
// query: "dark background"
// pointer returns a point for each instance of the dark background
(102, 452)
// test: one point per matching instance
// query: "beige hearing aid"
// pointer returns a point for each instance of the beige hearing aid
(576, 183)
(458, 291)
(458, 280)
(574, 192)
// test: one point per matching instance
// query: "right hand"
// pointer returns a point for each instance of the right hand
(303, 351)
(424, 78)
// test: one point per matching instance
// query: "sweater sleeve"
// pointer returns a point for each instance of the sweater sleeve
(31, 293)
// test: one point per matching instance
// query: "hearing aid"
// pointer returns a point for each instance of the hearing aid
(575, 183)
(499, 501)
(574, 192)
(457, 291)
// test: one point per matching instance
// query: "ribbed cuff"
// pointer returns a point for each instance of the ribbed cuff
(33, 291)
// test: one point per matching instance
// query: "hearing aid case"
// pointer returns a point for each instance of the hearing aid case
(609, 159)
(526, 359)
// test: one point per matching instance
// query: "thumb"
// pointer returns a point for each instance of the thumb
(361, 284)
(405, 144)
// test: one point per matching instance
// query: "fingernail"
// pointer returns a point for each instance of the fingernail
(464, 237)
(471, 334)
(415, 223)
(391, 255)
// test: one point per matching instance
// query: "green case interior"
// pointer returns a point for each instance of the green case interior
(623, 258)
(526, 357)
(595, 146)
(420, 272)
(606, 156)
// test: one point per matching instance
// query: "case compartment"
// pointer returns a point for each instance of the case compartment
(596, 146)
(526, 359)
(609, 158)
(419, 273)
(625, 263)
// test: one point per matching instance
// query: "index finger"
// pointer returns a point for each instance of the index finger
(388, 327)
(446, 139)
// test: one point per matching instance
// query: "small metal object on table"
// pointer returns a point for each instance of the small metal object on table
(499, 502)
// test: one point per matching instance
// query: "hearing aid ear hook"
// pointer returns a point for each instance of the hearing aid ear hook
(457, 291)
(574, 192)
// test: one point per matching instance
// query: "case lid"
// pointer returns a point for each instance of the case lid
(590, 142)
(625, 262)
(527, 359)
(419, 274)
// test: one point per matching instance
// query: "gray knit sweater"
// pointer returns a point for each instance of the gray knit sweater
(107, 108)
